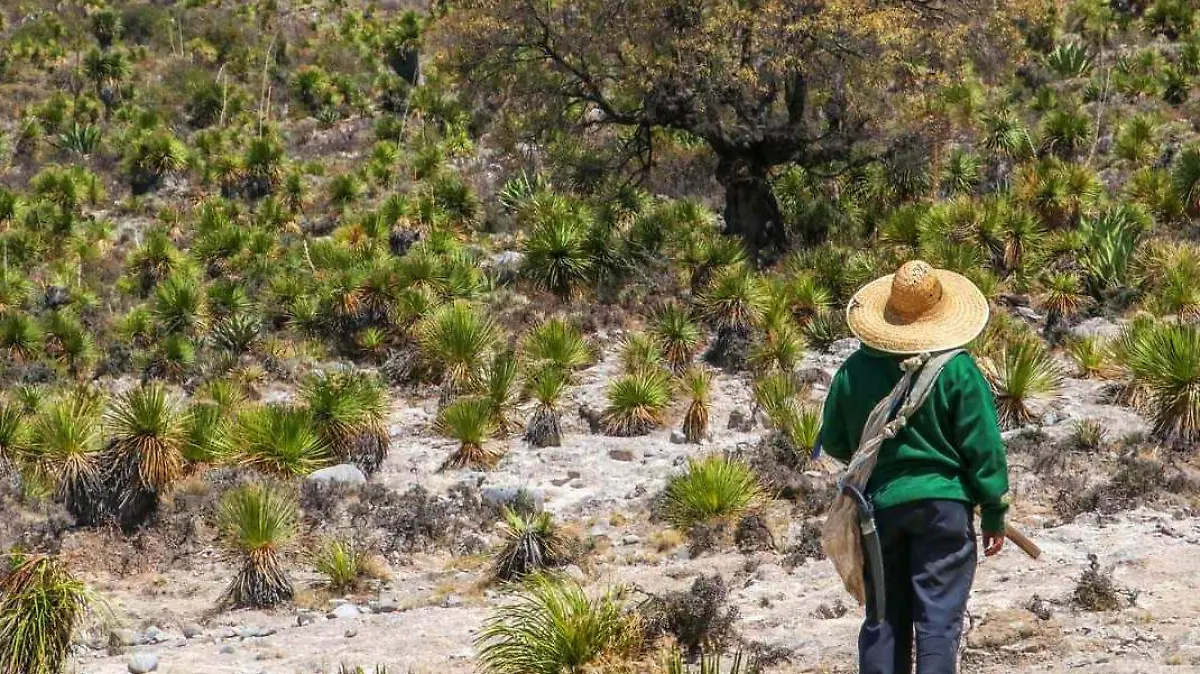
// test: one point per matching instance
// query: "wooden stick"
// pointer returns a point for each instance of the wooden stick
(1022, 541)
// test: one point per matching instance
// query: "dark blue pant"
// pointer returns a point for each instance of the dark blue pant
(929, 565)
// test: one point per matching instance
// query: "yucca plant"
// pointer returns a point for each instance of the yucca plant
(556, 253)
(825, 328)
(696, 384)
(180, 305)
(637, 403)
(502, 391)
(532, 543)
(712, 488)
(470, 421)
(41, 605)
(734, 303)
(153, 157)
(349, 410)
(256, 521)
(341, 561)
(546, 384)
(710, 663)
(280, 440)
(1092, 355)
(553, 627)
(1136, 139)
(147, 426)
(456, 338)
(1171, 374)
(1024, 371)
(1007, 136)
(640, 352)
(20, 336)
(1065, 132)
(677, 334)
(1185, 179)
(66, 448)
(14, 436)
(209, 432)
(557, 343)
(780, 348)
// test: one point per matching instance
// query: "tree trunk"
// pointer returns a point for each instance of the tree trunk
(751, 210)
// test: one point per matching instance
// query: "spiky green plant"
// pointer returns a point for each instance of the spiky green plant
(825, 328)
(735, 300)
(1171, 374)
(696, 384)
(1069, 59)
(532, 543)
(341, 561)
(780, 348)
(640, 351)
(1025, 371)
(712, 488)
(677, 334)
(237, 333)
(558, 343)
(256, 521)
(180, 305)
(502, 390)
(209, 433)
(153, 157)
(1092, 355)
(65, 447)
(1136, 139)
(1185, 179)
(556, 255)
(348, 410)
(470, 421)
(456, 338)
(546, 384)
(148, 426)
(14, 436)
(41, 605)
(280, 440)
(777, 394)
(637, 403)
(20, 336)
(1063, 296)
(710, 663)
(553, 628)
(1006, 136)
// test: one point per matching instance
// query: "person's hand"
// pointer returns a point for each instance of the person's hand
(993, 543)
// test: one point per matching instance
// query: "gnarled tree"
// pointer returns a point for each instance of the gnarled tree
(761, 82)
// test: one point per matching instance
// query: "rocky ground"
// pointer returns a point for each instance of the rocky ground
(160, 593)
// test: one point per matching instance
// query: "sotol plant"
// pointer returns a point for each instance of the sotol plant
(256, 521)
(41, 605)
(341, 562)
(712, 488)
(65, 446)
(637, 403)
(348, 410)
(1171, 373)
(456, 339)
(470, 421)
(677, 334)
(280, 440)
(696, 383)
(546, 385)
(532, 543)
(558, 343)
(1024, 371)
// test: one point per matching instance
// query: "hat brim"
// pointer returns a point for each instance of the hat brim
(958, 317)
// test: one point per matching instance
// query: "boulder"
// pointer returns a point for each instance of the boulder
(143, 663)
(677, 437)
(124, 637)
(510, 495)
(1096, 327)
(341, 474)
(345, 611)
(625, 455)
(192, 630)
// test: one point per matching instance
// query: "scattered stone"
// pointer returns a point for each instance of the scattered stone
(1011, 627)
(192, 630)
(631, 539)
(344, 612)
(227, 649)
(677, 437)
(1096, 327)
(124, 637)
(739, 421)
(341, 474)
(621, 455)
(351, 633)
(511, 495)
(814, 375)
(387, 604)
(251, 632)
(452, 601)
(304, 619)
(154, 636)
(143, 663)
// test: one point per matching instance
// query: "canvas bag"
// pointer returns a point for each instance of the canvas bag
(841, 536)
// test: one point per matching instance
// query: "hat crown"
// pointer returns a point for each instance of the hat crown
(915, 290)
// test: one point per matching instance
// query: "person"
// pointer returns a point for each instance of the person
(946, 460)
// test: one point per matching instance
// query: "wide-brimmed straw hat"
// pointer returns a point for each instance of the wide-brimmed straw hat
(918, 309)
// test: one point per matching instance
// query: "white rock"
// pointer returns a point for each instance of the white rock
(677, 437)
(341, 474)
(143, 663)
(345, 611)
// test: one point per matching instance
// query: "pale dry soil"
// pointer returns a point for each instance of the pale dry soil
(441, 602)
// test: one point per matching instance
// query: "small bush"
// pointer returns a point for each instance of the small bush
(700, 619)
(471, 422)
(1025, 371)
(532, 543)
(637, 403)
(710, 489)
(341, 562)
(41, 605)
(1097, 591)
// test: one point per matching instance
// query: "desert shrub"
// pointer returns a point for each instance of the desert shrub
(640, 352)
(1169, 367)
(41, 606)
(1185, 179)
(700, 618)
(710, 489)
(532, 543)
(256, 521)
(1092, 355)
(558, 343)
(455, 338)
(637, 403)
(734, 303)
(341, 561)
(1089, 435)
(1025, 371)
(152, 158)
(1097, 591)
(677, 334)
(1069, 60)
(348, 410)
(280, 440)
(66, 448)
(696, 384)
(556, 254)
(553, 627)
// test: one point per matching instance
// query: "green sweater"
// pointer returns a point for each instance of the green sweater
(950, 449)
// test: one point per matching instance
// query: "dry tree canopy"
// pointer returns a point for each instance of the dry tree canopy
(760, 83)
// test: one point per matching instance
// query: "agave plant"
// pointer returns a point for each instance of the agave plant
(341, 561)
(696, 383)
(348, 410)
(470, 421)
(280, 440)
(677, 334)
(1024, 371)
(639, 352)
(153, 157)
(546, 384)
(532, 543)
(553, 627)
(65, 447)
(502, 391)
(256, 521)
(1069, 60)
(557, 343)
(637, 403)
(712, 488)
(1171, 374)
(456, 339)
(41, 605)
(238, 333)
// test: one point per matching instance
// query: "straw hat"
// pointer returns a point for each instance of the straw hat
(918, 309)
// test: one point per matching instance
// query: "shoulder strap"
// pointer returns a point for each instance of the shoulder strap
(925, 380)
